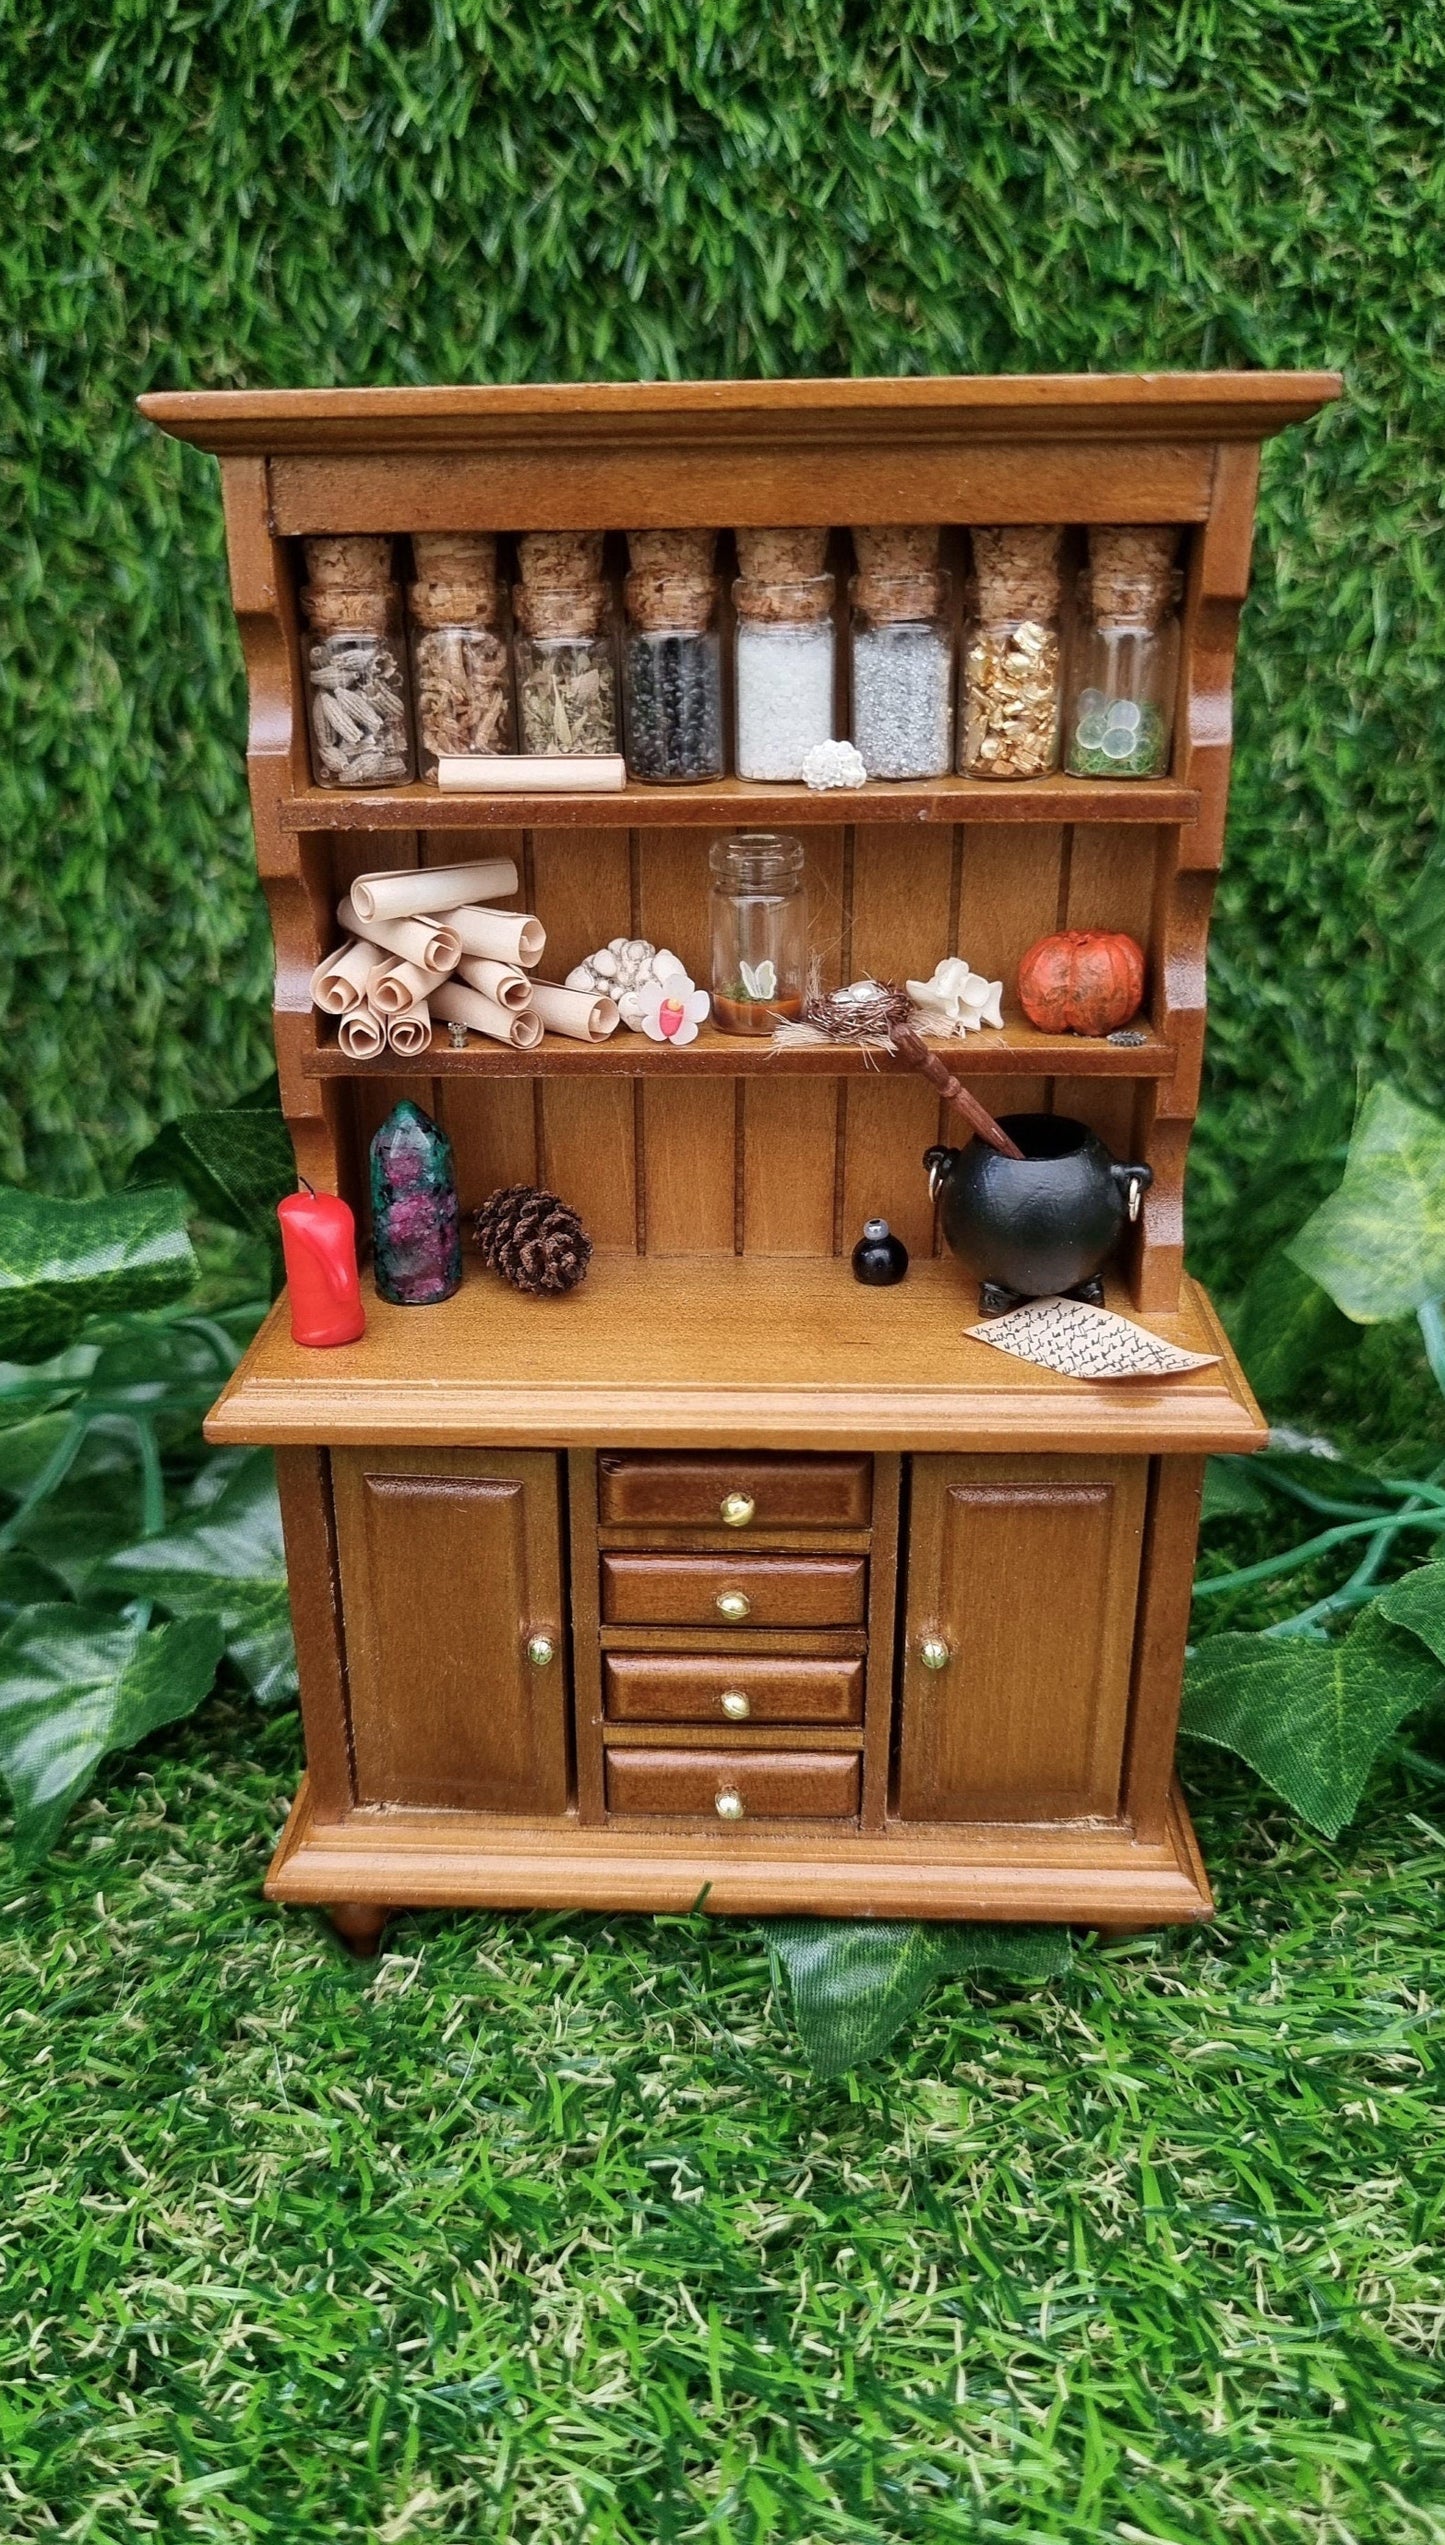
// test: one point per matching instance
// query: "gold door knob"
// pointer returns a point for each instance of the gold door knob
(733, 1605)
(737, 1510)
(934, 1653)
(729, 1804)
(540, 1650)
(735, 1705)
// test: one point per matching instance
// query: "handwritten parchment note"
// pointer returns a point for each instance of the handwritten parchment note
(1085, 1343)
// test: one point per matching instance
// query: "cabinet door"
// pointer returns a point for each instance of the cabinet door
(450, 1563)
(1026, 1570)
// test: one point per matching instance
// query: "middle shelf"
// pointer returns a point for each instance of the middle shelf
(1017, 1051)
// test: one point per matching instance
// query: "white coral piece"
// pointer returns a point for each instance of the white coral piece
(833, 764)
(958, 997)
(623, 968)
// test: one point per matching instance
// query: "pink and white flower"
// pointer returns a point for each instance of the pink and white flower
(670, 1009)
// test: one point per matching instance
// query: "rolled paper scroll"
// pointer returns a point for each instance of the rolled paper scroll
(415, 940)
(409, 1033)
(521, 774)
(499, 981)
(502, 936)
(584, 1015)
(396, 986)
(361, 1034)
(409, 892)
(458, 1005)
(339, 982)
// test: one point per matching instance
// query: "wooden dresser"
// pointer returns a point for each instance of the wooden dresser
(725, 1579)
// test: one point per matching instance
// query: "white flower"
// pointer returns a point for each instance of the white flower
(670, 1010)
(959, 997)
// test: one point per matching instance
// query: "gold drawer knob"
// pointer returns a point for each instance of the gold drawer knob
(733, 1605)
(735, 1705)
(737, 1510)
(540, 1650)
(729, 1804)
(934, 1653)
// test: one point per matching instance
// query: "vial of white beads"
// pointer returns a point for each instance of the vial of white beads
(784, 665)
(902, 663)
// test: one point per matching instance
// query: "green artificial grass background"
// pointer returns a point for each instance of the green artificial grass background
(537, 2230)
(361, 192)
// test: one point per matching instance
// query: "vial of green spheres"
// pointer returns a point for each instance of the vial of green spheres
(1126, 656)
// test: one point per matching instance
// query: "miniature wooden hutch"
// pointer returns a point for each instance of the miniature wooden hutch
(621, 1600)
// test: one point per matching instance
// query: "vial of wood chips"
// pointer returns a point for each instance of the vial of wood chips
(461, 661)
(1013, 655)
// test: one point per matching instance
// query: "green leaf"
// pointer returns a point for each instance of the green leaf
(235, 1162)
(226, 1560)
(1284, 1327)
(1417, 1601)
(1230, 1489)
(853, 1985)
(1309, 1717)
(1378, 1244)
(61, 1262)
(76, 1683)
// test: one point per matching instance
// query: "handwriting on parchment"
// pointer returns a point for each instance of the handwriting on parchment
(1085, 1343)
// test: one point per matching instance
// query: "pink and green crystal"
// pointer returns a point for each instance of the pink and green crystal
(415, 1229)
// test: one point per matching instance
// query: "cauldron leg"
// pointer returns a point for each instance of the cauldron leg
(995, 1300)
(1091, 1292)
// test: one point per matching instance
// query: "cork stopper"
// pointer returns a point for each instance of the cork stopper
(1131, 574)
(334, 612)
(352, 563)
(896, 549)
(800, 604)
(681, 603)
(684, 555)
(471, 604)
(562, 560)
(891, 599)
(559, 609)
(1017, 572)
(462, 559)
(781, 556)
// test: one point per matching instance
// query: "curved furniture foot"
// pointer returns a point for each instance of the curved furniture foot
(359, 1924)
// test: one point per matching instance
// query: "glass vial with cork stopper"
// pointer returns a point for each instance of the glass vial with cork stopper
(355, 657)
(784, 651)
(759, 912)
(1013, 654)
(1125, 665)
(901, 655)
(672, 662)
(461, 661)
(566, 655)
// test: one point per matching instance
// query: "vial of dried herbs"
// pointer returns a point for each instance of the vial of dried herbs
(356, 680)
(672, 677)
(1126, 656)
(566, 670)
(901, 647)
(1013, 655)
(784, 667)
(460, 658)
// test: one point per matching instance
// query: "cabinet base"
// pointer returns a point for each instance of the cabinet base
(1068, 1875)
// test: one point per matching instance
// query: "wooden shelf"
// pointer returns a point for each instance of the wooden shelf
(742, 1351)
(734, 802)
(1019, 1051)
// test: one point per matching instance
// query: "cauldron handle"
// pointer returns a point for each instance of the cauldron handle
(1134, 1183)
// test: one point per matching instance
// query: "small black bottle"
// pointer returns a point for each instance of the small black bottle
(879, 1258)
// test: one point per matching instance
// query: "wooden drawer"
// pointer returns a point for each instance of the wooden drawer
(767, 1784)
(703, 1590)
(674, 1489)
(692, 1688)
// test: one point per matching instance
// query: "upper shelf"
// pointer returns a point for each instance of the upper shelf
(730, 803)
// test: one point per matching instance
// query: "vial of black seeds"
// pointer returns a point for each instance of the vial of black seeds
(672, 662)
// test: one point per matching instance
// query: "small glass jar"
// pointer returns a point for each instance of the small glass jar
(784, 667)
(902, 675)
(566, 659)
(672, 678)
(356, 678)
(1125, 665)
(759, 914)
(461, 669)
(1012, 655)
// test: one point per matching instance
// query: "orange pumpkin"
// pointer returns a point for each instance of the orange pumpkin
(1082, 981)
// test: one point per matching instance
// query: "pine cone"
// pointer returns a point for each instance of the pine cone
(534, 1241)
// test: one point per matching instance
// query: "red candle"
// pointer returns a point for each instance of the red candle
(318, 1240)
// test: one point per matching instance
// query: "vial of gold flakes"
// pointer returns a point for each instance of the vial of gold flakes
(1013, 655)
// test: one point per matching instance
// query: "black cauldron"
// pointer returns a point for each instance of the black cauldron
(1041, 1225)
